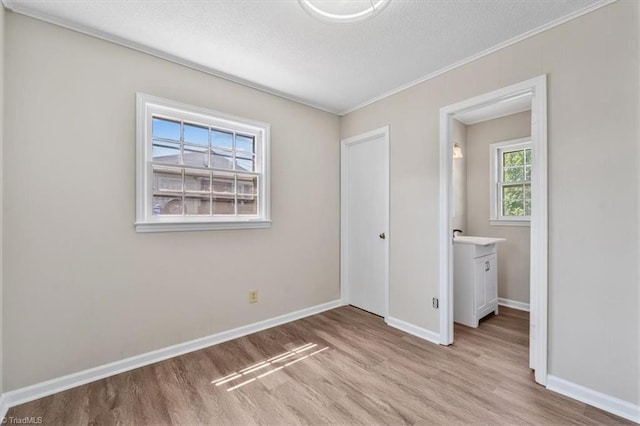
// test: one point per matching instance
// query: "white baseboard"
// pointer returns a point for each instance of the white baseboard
(597, 399)
(423, 333)
(40, 390)
(513, 304)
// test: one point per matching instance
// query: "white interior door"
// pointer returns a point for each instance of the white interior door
(365, 221)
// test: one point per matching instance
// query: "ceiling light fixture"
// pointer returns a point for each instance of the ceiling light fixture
(343, 11)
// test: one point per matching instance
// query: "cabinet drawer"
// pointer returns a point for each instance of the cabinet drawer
(484, 250)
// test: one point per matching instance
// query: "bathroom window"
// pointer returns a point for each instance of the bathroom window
(511, 182)
(199, 169)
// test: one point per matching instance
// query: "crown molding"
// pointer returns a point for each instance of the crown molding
(479, 55)
(23, 9)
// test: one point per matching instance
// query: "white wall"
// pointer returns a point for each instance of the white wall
(593, 199)
(85, 288)
(514, 255)
(459, 177)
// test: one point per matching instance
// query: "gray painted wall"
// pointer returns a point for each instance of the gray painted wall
(514, 255)
(593, 175)
(459, 177)
(74, 263)
(2, 38)
(85, 288)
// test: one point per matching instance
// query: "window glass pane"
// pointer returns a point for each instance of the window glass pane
(221, 159)
(195, 156)
(196, 134)
(223, 184)
(166, 153)
(513, 174)
(512, 192)
(197, 206)
(223, 205)
(506, 159)
(197, 181)
(513, 208)
(245, 143)
(245, 165)
(247, 195)
(513, 180)
(512, 200)
(247, 206)
(199, 170)
(512, 158)
(163, 205)
(247, 185)
(165, 129)
(220, 139)
(165, 179)
(245, 155)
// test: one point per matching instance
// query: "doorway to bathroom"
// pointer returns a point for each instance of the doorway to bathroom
(517, 179)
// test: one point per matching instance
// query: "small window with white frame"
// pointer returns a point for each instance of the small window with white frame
(199, 169)
(510, 186)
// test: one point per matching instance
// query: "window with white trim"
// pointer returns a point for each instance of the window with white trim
(511, 182)
(199, 169)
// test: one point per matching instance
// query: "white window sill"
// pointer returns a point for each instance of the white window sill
(510, 222)
(200, 226)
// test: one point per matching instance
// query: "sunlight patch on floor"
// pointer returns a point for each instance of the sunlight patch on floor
(268, 363)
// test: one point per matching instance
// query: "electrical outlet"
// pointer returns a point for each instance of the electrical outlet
(435, 302)
(253, 296)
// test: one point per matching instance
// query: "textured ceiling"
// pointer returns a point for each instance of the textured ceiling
(274, 45)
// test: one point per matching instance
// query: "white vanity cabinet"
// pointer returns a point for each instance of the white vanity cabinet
(475, 279)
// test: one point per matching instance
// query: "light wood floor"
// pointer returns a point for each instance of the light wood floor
(358, 371)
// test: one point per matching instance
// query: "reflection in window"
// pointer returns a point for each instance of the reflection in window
(199, 169)
(186, 144)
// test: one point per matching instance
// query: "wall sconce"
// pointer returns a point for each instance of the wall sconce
(457, 151)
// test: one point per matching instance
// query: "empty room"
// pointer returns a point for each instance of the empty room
(294, 212)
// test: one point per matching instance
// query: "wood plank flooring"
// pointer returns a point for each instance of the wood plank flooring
(344, 366)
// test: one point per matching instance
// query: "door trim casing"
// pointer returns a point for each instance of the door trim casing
(539, 215)
(344, 213)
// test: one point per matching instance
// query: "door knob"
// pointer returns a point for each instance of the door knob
(382, 236)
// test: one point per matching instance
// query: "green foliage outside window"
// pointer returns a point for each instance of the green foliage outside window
(516, 182)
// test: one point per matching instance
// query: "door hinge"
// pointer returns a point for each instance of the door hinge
(436, 303)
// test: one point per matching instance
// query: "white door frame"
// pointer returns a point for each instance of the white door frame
(539, 217)
(344, 213)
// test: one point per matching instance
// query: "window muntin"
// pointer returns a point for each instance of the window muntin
(515, 182)
(200, 166)
(192, 147)
(511, 168)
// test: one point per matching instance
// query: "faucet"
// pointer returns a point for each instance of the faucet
(456, 230)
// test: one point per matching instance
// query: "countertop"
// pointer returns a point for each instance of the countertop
(479, 241)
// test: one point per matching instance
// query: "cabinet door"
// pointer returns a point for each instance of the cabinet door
(479, 291)
(491, 278)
